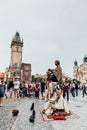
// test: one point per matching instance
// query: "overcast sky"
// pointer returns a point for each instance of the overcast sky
(51, 29)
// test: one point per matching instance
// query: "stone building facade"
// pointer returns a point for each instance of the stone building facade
(16, 68)
(26, 72)
(80, 72)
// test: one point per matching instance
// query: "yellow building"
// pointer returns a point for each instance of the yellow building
(80, 72)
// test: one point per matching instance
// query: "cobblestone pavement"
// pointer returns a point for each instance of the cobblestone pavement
(6, 118)
(78, 120)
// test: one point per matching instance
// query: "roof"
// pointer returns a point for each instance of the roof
(17, 38)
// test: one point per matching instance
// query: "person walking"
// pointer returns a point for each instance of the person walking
(72, 88)
(42, 88)
(66, 89)
(2, 92)
(84, 90)
(76, 88)
(16, 87)
(10, 88)
(6, 90)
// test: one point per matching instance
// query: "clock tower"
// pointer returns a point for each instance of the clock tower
(16, 67)
(16, 56)
(16, 51)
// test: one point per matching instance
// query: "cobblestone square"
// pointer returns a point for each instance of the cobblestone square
(76, 121)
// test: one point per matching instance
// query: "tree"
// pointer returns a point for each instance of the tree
(33, 78)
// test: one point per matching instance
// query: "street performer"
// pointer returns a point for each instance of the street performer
(55, 74)
(58, 104)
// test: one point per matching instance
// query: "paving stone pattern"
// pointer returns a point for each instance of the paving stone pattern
(78, 120)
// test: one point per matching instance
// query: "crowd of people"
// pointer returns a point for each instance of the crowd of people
(45, 90)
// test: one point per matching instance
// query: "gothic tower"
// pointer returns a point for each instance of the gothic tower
(16, 67)
(16, 51)
(16, 56)
(75, 70)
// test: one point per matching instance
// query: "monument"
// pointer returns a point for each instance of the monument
(16, 67)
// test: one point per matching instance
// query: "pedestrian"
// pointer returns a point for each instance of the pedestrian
(23, 90)
(10, 88)
(84, 90)
(72, 87)
(76, 88)
(2, 92)
(16, 87)
(66, 89)
(42, 88)
(6, 90)
(37, 89)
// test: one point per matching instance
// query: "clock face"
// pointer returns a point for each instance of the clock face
(16, 48)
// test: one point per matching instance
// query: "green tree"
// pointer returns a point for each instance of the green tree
(33, 78)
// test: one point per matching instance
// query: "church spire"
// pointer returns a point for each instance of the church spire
(75, 63)
(17, 38)
(85, 59)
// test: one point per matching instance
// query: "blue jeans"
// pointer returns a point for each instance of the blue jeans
(76, 90)
(73, 92)
(66, 92)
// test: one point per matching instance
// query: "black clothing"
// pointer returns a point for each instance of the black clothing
(42, 87)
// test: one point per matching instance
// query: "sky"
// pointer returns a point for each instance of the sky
(51, 30)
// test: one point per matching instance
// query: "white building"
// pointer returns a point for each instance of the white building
(80, 72)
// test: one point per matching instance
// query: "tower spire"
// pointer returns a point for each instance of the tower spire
(75, 63)
(85, 59)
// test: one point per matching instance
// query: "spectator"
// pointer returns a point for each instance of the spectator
(2, 92)
(5, 83)
(16, 87)
(76, 88)
(10, 88)
(42, 88)
(84, 90)
(66, 89)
